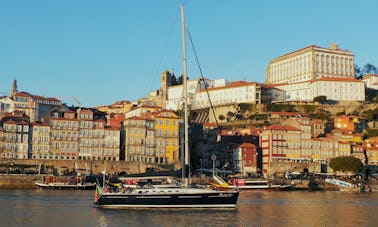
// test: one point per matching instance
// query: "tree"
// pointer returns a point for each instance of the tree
(357, 72)
(367, 69)
(320, 99)
(346, 164)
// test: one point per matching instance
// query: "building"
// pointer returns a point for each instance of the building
(279, 143)
(167, 136)
(152, 138)
(371, 147)
(310, 63)
(15, 135)
(245, 159)
(371, 81)
(136, 129)
(34, 106)
(15, 140)
(64, 135)
(39, 140)
(315, 71)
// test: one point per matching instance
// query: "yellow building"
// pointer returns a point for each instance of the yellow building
(167, 136)
(152, 138)
(40, 140)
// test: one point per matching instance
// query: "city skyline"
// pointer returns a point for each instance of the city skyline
(120, 48)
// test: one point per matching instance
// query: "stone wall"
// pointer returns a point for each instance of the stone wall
(93, 166)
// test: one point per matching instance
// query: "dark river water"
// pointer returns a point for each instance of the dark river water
(255, 208)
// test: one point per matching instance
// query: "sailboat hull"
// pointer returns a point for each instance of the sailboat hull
(176, 198)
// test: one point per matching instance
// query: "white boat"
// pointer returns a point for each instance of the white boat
(65, 182)
(163, 197)
(249, 184)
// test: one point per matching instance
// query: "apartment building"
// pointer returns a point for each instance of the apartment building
(167, 136)
(152, 138)
(39, 140)
(64, 135)
(245, 158)
(279, 142)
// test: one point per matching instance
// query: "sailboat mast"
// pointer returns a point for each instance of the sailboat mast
(185, 96)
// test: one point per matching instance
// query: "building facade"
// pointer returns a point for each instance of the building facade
(310, 63)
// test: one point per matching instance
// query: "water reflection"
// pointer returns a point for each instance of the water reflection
(71, 208)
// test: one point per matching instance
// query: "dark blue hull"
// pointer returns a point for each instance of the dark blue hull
(208, 199)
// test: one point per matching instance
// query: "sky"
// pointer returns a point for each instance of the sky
(101, 52)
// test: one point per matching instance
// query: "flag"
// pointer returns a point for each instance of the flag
(98, 192)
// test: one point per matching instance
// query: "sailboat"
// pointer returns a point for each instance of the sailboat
(150, 196)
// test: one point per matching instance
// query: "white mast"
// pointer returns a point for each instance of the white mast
(185, 96)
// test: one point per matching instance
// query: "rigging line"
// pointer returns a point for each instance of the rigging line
(203, 79)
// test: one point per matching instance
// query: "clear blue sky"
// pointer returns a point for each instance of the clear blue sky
(104, 51)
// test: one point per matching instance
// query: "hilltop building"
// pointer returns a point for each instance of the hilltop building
(316, 71)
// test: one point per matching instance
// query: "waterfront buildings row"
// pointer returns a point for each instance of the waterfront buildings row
(65, 135)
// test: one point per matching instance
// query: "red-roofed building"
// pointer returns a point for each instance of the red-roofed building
(279, 142)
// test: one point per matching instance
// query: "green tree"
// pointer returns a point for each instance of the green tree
(346, 164)
(366, 69)
(221, 117)
(320, 99)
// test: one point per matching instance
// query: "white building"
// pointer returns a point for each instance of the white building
(371, 81)
(310, 63)
(340, 89)
(221, 92)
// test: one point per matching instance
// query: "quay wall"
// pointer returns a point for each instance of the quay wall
(92, 166)
(18, 181)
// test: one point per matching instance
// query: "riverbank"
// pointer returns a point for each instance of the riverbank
(18, 181)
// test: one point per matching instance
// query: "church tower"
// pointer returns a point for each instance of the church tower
(14, 89)
(165, 82)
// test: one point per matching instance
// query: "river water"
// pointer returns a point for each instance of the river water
(255, 208)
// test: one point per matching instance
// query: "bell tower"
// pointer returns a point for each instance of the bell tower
(14, 88)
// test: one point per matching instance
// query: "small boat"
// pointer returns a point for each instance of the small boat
(256, 184)
(65, 182)
(151, 196)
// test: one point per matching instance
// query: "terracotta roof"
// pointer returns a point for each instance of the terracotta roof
(367, 76)
(35, 123)
(231, 85)
(10, 122)
(22, 123)
(281, 127)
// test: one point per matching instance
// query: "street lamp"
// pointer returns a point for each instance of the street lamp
(213, 158)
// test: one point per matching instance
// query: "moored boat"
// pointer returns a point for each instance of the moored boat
(154, 197)
(258, 184)
(65, 182)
